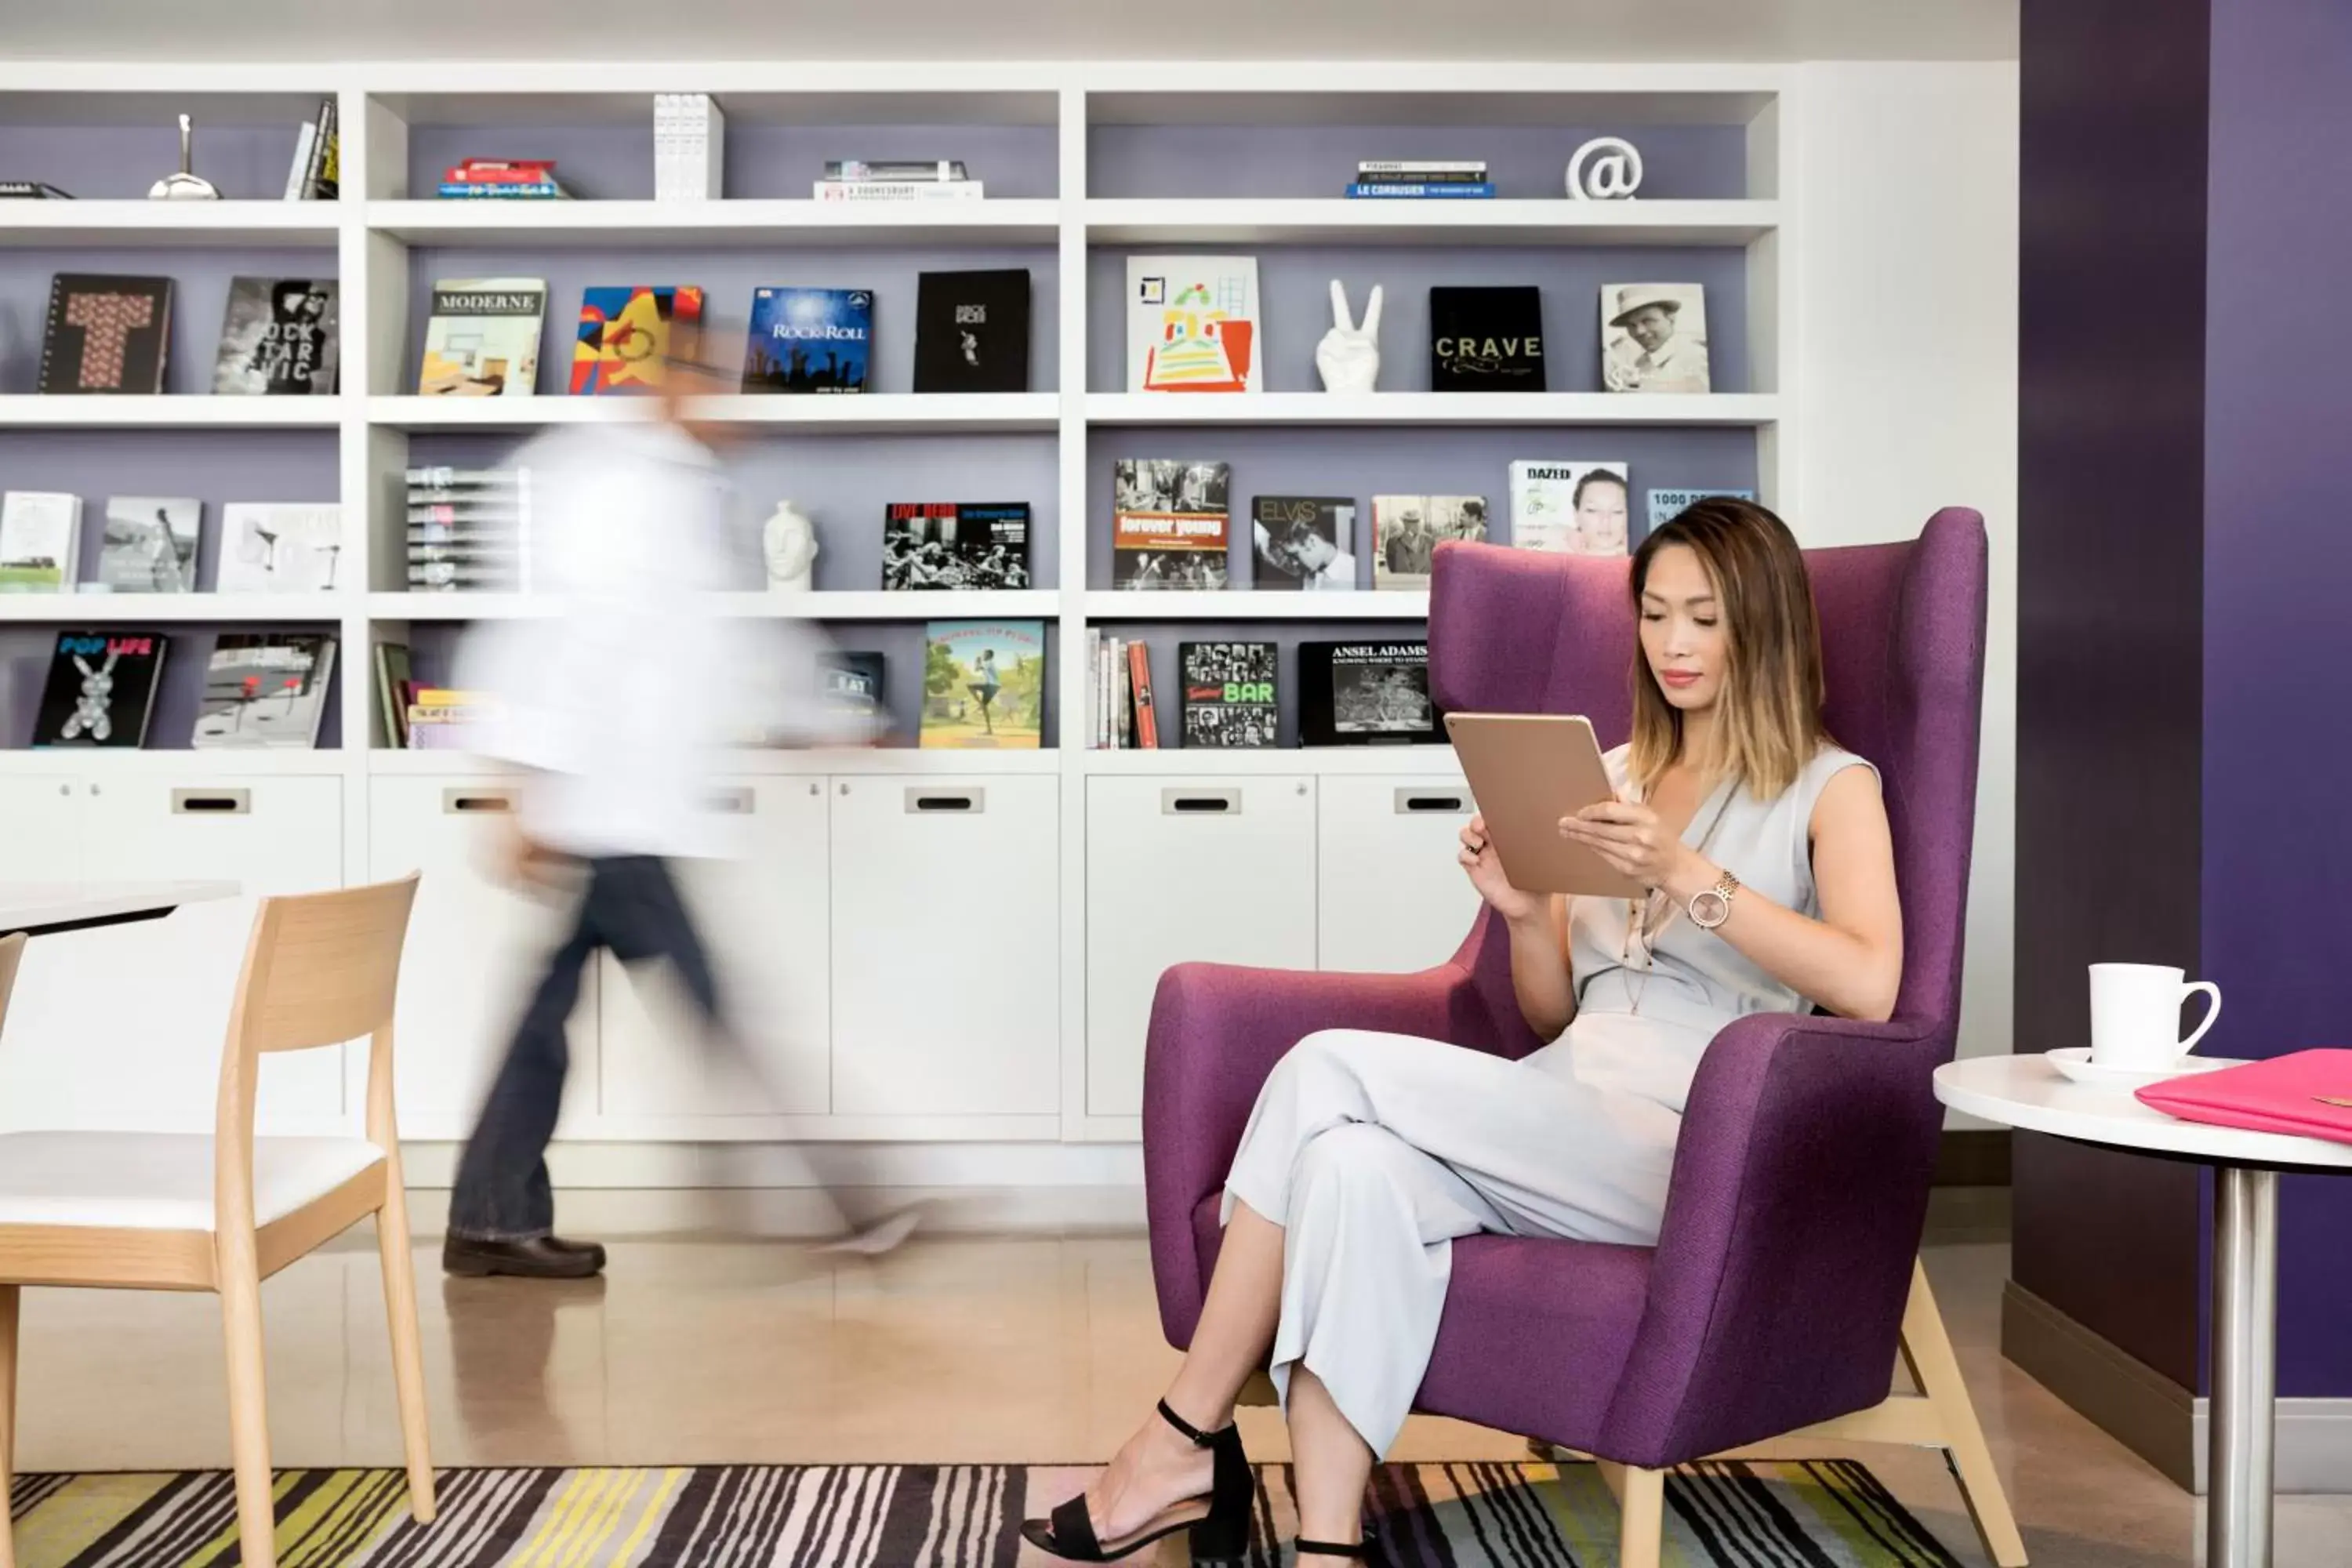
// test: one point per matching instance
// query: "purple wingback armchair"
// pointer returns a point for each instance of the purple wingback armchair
(1774, 1297)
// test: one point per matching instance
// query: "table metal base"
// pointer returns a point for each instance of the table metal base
(2243, 1412)
(55, 928)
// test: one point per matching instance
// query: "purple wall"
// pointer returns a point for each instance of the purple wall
(2278, 639)
(1679, 162)
(1295, 304)
(2111, 410)
(727, 278)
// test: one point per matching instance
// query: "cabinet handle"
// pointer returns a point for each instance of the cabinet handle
(1200, 803)
(1413, 801)
(475, 801)
(733, 801)
(969, 802)
(212, 802)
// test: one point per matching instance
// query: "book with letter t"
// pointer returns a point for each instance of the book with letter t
(106, 334)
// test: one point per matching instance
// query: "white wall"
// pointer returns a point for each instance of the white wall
(1905, 369)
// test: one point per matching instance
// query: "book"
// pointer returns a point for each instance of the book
(271, 547)
(627, 335)
(1485, 339)
(151, 544)
(1304, 542)
(279, 339)
(809, 340)
(1575, 508)
(40, 541)
(1424, 189)
(392, 691)
(984, 684)
(266, 690)
(483, 339)
(941, 171)
(850, 684)
(502, 190)
(100, 690)
(320, 179)
(689, 147)
(1407, 531)
(1229, 693)
(971, 331)
(1421, 168)
(444, 720)
(297, 173)
(32, 191)
(1191, 324)
(1147, 721)
(1654, 338)
(106, 334)
(955, 544)
(899, 190)
(1169, 524)
(1366, 694)
(1665, 506)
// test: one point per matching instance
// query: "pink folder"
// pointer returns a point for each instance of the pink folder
(2308, 1093)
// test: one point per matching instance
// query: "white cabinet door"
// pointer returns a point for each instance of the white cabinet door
(946, 991)
(1178, 871)
(1392, 897)
(764, 918)
(475, 949)
(40, 827)
(173, 980)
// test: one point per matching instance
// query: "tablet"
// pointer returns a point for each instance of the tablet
(1526, 770)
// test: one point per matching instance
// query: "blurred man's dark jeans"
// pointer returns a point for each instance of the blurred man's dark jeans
(630, 906)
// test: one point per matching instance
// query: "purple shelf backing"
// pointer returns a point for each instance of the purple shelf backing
(727, 278)
(1295, 304)
(1365, 461)
(842, 482)
(246, 163)
(216, 467)
(763, 161)
(433, 646)
(200, 277)
(1679, 162)
(26, 651)
(1162, 638)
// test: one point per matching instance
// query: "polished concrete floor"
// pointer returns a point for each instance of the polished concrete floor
(1035, 1349)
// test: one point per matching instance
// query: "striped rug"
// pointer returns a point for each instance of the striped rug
(1827, 1515)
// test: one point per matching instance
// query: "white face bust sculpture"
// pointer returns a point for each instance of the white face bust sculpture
(788, 540)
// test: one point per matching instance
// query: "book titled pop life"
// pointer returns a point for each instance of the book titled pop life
(628, 334)
(809, 340)
(1667, 505)
(984, 685)
(100, 691)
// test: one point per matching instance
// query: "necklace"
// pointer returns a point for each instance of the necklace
(1647, 917)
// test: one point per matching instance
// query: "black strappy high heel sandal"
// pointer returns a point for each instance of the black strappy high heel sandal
(1220, 1534)
(1326, 1549)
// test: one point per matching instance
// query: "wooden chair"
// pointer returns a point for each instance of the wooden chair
(169, 1211)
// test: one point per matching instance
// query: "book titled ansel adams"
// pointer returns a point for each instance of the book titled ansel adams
(279, 339)
(809, 340)
(483, 340)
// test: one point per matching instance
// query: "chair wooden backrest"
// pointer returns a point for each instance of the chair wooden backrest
(12, 949)
(321, 969)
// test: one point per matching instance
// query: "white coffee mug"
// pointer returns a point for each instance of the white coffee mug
(2136, 1014)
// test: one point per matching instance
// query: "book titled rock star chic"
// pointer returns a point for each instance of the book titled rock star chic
(279, 339)
(809, 340)
(106, 334)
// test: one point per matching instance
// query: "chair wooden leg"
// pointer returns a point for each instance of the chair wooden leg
(248, 1411)
(9, 1299)
(1642, 1513)
(407, 1357)
(1928, 1352)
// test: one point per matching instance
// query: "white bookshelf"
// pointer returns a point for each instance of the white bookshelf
(373, 425)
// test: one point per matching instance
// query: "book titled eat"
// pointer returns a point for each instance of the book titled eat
(2306, 1094)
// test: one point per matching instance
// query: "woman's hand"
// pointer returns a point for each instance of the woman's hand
(1635, 843)
(1485, 869)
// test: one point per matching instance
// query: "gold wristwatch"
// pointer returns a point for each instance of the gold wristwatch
(1712, 907)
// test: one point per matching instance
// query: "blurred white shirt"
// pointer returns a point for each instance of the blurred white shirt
(623, 697)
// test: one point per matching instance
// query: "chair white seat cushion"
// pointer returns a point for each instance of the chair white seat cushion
(161, 1181)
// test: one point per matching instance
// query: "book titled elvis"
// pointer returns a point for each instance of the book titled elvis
(1366, 694)
(1229, 693)
(106, 334)
(101, 689)
(971, 331)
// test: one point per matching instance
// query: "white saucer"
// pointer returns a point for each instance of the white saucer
(2078, 1065)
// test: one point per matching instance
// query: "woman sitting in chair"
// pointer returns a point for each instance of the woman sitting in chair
(1771, 878)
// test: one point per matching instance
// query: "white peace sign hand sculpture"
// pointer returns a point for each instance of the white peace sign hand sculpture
(1349, 357)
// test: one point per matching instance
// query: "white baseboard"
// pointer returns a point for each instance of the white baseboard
(583, 1165)
(799, 1213)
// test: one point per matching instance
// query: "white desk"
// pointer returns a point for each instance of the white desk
(2027, 1092)
(40, 908)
